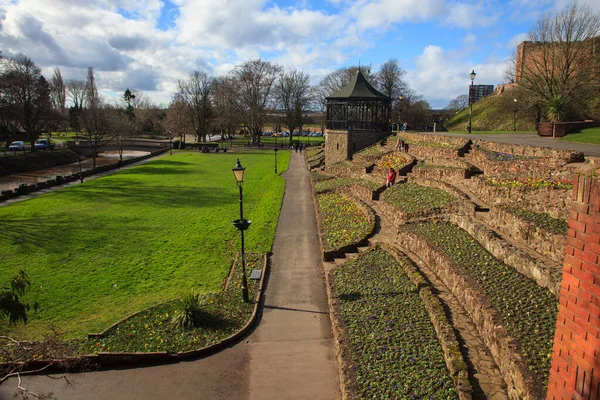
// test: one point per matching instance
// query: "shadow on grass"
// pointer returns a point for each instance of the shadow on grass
(141, 194)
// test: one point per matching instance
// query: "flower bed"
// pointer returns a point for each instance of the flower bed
(332, 184)
(528, 311)
(548, 199)
(410, 197)
(546, 273)
(545, 221)
(344, 223)
(531, 183)
(539, 231)
(392, 350)
(497, 163)
(561, 156)
(394, 160)
(442, 172)
(151, 330)
(318, 177)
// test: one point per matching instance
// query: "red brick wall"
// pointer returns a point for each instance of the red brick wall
(575, 372)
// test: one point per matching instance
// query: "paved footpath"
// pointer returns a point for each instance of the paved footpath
(290, 355)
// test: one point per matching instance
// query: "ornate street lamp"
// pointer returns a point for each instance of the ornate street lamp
(472, 76)
(275, 151)
(515, 117)
(242, 224)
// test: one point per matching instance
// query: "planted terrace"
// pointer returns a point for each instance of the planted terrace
(392, 348)
(412, 198)
(343, 221)
(528, 311)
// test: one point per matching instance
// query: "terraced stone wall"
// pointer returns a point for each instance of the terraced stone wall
(549, 244)
(575, 372)
(529, 168)
(564, 156)
(555, 202)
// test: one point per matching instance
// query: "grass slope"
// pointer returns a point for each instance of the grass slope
(99, 251)
(492, 113)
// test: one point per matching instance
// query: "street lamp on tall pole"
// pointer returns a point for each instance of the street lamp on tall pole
(275, 151)
(242, 224)
(515, 117)
(472, 76)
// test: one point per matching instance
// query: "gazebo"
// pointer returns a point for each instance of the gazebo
(357, 117)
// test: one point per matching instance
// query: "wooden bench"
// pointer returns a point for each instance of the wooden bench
(223, 149)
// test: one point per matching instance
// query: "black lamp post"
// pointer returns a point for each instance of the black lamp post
(275, 151)
(472, 76)
(308, 136)
(242, 224)
(515, 117)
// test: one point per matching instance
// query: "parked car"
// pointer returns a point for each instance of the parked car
(43, 144)
(18, 145)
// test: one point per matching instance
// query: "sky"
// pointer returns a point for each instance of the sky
(147, 45)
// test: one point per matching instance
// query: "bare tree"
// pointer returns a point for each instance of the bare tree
(226, 118)
(176, 122)
(251, 97)
(293, 94)
(58, 91)
(336, 80)
(93, 117)
(458, 103)
(557, 65)
(27, 94)
(196, 92)
(76, 92)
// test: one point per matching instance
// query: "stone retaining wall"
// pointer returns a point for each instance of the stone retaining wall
(555, 202)
(544, 167)
(546, 243)
(451, 174)
(564, 156)
(486, 318)
(544, 274)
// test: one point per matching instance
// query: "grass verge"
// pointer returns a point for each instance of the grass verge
(105, 249)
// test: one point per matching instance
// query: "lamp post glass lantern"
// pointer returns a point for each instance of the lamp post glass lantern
(242, 224)
(472, 76)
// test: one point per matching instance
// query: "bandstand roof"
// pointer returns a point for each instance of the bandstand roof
(359, 89)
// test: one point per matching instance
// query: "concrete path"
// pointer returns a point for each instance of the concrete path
(290, 355)
(529, 139)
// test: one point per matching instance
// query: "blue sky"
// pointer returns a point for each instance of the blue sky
(148, 45)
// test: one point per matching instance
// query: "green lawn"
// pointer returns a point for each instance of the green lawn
(99, 251)
(590, 135)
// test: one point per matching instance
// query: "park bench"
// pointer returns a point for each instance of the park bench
(223, 149)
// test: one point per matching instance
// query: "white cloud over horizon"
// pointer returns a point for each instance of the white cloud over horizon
(149, 44)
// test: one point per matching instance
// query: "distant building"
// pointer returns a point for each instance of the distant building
(478, 92)
(533, 55)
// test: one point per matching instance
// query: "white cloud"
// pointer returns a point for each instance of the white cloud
(381, 14)
(440, 75)
(516, 40)
(468, 15)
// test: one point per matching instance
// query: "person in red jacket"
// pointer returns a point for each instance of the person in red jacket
(391, 178)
